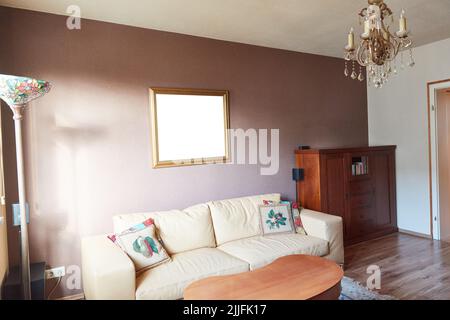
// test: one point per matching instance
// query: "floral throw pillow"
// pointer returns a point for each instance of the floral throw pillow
(295, 210)
(275, 219)
(141, 245)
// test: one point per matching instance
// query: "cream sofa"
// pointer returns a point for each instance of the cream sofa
(216, 238)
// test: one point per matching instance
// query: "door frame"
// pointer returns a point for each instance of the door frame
(432, 87)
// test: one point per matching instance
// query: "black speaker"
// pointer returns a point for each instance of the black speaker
(298, 174)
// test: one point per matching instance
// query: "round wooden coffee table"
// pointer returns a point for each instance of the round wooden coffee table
(296, 277)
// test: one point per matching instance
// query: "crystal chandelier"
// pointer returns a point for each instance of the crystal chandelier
(379, 49)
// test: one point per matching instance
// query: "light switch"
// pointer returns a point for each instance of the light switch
(2, 219)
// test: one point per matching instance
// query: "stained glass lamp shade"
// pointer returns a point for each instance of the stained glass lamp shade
(17, 92)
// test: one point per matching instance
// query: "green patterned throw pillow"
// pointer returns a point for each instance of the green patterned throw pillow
(275, 219)
(142, 246)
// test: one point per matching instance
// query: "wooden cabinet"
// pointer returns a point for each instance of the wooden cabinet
(357, 184)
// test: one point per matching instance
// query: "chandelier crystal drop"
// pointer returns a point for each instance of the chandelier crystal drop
(379, 49)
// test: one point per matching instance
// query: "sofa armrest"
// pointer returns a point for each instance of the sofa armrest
(107, 272)
(326, 227)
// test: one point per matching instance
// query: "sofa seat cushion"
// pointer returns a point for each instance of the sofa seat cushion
(180, 230)
(260, 251)
(238, 218)
(169, 280)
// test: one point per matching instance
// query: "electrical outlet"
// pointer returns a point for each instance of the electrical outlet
(55, 273)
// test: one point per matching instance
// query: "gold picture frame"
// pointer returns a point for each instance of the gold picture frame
(165, 162)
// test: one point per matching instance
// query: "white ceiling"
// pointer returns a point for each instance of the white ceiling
(313, 26)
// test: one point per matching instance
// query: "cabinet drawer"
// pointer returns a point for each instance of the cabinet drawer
(361, 187)
(362, 201)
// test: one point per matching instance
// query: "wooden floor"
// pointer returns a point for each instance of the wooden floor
(411, 267)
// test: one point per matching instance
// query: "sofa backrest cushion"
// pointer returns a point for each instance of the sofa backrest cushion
(180, 230)
(238, 218)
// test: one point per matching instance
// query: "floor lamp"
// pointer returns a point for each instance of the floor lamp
(17, 92)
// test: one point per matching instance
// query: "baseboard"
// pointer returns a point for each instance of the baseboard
(79, 296)
(416, 234)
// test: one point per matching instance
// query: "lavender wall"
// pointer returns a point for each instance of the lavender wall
(88, 142)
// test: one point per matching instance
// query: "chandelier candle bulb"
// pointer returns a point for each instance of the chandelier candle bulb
(367, 26)
(366, 33)
(351, 40)
(402, 22)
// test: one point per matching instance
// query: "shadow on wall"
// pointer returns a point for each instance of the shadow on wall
(60, 217)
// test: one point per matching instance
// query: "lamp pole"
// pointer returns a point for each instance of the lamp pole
(17, 92)
(25, 255)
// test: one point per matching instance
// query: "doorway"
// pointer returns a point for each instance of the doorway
(439, 138)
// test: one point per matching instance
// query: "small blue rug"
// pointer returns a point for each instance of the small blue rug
(353, 290)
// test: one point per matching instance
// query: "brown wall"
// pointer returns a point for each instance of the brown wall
(3, 248)
(3, 227)
(88, 141)
(10, 180)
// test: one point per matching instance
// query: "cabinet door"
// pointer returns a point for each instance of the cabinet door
(361, 219)
(333, 184)
(384, 164)
(361, 205)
